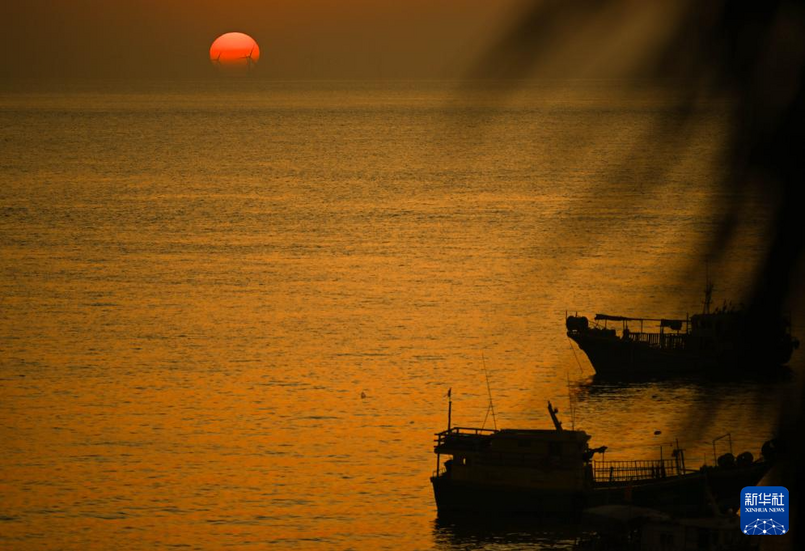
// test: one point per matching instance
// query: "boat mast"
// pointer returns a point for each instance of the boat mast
(708, 291)
(449, 407)
(489, 391)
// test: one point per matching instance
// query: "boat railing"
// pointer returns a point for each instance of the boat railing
(632, 471)
(675, 341)
(463, 437)
(658, 340)
(652, 339)
(463, 431)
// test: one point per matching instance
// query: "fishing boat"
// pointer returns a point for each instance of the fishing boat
(532, 471)
(726, 339)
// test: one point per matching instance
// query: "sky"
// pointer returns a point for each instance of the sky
(299, 39)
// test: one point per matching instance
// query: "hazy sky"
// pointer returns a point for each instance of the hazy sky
(298, 38)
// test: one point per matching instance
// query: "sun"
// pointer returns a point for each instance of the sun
(235, 53)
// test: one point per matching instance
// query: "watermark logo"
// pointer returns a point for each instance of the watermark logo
(764, 510)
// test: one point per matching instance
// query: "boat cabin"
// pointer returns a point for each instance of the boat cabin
(547, 459)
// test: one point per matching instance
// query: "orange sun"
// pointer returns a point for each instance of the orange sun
(234, 53)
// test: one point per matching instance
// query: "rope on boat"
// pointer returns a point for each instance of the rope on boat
(581, 371)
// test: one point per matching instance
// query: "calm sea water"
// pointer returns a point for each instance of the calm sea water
(231, 310)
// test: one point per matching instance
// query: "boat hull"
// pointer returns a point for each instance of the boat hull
(682, 496)
(461, 496)
(611, 356)
(701, 493)
(623, 358)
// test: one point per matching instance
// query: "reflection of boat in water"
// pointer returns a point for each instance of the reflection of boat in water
(725, 339)
(454, 532)
(603, 528)
(553, 471)
(641, 529)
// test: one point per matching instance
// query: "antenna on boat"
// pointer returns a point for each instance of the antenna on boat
(708, 289)
(449, 407)
(491, 406)
(572, 406)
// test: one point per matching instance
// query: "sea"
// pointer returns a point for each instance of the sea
(231, 310)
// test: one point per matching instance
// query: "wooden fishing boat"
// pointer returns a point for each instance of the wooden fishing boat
(553, 472)
(724, 340)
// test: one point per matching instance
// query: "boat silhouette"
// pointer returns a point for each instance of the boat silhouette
(529, 471)
(725, 340)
